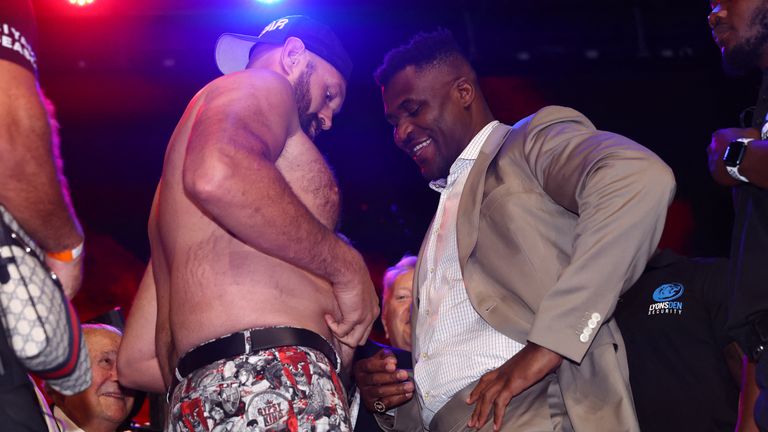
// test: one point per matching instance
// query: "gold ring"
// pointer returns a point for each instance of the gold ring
(379, 406)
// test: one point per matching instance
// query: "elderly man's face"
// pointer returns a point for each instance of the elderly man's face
(105, 402)
(396, 311)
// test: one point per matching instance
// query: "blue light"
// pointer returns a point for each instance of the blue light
(267, 1)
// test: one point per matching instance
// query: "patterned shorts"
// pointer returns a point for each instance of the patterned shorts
(290, 388)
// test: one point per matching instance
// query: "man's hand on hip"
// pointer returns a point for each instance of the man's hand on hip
(497, 387)
(358, 305)
(380, 381)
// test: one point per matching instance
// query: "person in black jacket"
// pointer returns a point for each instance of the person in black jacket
(738, 157)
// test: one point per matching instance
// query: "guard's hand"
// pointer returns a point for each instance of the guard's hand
(497, 387)
(70, 274)
(358, 305)
(716, 150)
(380, 381)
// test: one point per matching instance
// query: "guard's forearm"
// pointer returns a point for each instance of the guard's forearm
(755, 163)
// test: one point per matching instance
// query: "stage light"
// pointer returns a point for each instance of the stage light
(267, 1)
(81, 2)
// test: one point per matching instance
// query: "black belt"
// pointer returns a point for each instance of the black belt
(260, 339)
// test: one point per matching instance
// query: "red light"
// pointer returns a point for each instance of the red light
(81, 2)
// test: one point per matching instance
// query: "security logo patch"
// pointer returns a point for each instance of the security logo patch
(664, 299)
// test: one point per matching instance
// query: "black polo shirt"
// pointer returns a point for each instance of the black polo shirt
(673, 321)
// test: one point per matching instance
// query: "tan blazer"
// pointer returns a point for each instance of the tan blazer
(556, 219)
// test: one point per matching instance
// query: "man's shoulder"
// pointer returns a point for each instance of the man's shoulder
(526, 133)
(552, 114)
(251, 84)
(248, 95)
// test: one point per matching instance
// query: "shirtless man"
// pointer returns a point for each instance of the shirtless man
(242, 237)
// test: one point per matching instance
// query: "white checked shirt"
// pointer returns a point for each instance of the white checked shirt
(456, 346)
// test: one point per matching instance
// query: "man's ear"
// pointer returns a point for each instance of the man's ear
(292, 54)
(465, 91)
(384, 326)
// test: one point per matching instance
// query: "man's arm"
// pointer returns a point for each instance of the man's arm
(32, 187)
(230, 174)
(755, 161)
(137, 361)
(747, 398)
(620, 191)
(743, 372)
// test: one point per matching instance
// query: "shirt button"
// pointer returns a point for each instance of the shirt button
(584, 338)
(596, 316)
(592, 323)
(424, 356)
(587, 331)
(431, 269)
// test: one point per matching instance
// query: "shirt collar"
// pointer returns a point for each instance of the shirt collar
(66, 423)
(470, 153)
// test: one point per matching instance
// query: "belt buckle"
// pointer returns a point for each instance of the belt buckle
(174, 383)
(247, 345)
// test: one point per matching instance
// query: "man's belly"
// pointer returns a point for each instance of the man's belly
(202, 312)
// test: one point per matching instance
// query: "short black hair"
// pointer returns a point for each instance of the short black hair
(423, 51)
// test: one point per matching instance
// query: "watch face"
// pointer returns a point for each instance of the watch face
(734, 153)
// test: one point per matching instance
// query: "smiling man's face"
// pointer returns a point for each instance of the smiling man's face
(429, 121)
(105, 404)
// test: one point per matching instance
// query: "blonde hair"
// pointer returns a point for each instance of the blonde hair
(406, 263)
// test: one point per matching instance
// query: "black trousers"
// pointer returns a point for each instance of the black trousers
(19, 408)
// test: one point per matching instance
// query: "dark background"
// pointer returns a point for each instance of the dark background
(121, 72)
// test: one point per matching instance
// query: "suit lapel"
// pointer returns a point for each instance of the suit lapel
(469, 205)
(468, 216)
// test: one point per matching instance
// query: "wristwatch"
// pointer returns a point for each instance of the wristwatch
(733, 156)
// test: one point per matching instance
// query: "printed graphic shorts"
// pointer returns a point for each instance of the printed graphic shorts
(293, 389)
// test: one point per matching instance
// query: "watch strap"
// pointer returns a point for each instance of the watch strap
(733, 171)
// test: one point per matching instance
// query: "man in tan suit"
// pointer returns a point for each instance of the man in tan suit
(540, 227)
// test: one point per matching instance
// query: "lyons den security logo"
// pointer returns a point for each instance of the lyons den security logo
(664, 297)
